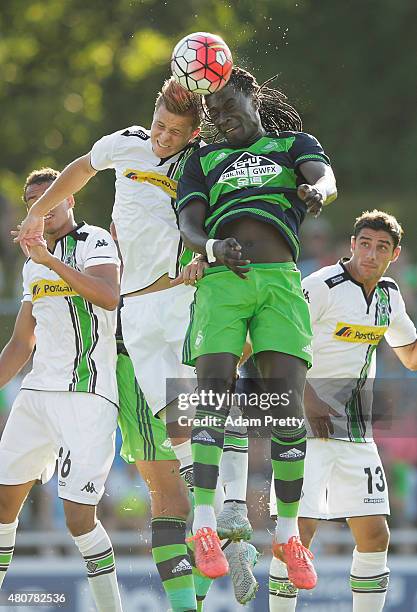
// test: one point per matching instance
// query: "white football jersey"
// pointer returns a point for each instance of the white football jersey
(347, 328)
(143, 212)
(75, 340)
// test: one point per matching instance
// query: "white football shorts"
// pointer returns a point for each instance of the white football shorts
(341, 480)
(77, 429)
(154, 327)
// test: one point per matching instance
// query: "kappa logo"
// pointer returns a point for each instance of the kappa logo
(89, 487)
(250, 171)
(183, 566)
(199, 338)
(306, 295)
(366, 334)
(203, 436)
(293, 453)
(153, 178)
(376, 500)
(139, 133)
(101, 243)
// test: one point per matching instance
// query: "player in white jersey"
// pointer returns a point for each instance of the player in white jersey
(352, 306)
(67, 407)
(155, 314)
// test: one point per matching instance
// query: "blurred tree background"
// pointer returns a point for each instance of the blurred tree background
(74, 70)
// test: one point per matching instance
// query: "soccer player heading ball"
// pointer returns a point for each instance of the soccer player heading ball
(240, 202)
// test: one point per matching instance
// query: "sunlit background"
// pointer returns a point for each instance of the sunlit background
(74, 70)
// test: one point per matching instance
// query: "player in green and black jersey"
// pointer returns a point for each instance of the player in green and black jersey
(241, 201)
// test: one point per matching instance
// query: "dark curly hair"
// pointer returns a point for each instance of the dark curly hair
(379, 220)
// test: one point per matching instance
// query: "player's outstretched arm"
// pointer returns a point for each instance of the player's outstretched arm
(18, 350)
(228, 252)
(72, 179)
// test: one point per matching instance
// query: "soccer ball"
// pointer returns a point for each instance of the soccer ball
(202, 63)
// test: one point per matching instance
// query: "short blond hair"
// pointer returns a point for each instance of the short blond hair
(180, 101)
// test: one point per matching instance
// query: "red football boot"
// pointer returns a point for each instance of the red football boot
(297, 557)
(209, 557)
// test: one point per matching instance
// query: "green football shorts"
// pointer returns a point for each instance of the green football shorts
(144, 435)
(269, 304)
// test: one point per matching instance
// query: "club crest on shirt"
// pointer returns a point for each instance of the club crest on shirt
(250, 171)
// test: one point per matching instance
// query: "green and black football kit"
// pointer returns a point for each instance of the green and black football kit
(258, 181)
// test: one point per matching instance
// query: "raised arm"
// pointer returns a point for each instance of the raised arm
(18, 350)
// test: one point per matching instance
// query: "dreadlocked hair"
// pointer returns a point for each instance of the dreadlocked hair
(275, 112)
(180, 101)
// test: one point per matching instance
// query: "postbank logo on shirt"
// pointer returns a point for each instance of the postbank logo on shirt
(365, 334)
(250, 171)
(50, 288)
(159, 180)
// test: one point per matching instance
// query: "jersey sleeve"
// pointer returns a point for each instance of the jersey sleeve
(316, 292)
(192, 184)
(401, 330)
(27, 295)
(307, 148)
(100, 248)
(101, 154)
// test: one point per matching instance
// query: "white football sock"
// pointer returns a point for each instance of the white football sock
(97, 551)
(285, 529)
(7, 541)
(204, 517)
(369, 577)
(282, 593)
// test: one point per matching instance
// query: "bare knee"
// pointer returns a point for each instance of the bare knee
(216, 373)
(375, 541)
(372, 535)
(12, 498)
(165, 503)
(8, 514)
(80, 518)
(169, 494)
